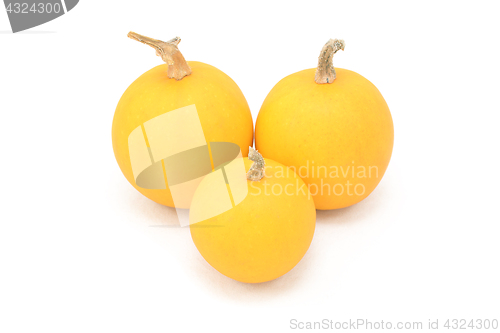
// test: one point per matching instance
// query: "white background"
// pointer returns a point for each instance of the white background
(82, 251)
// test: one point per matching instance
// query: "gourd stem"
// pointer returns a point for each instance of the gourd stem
(325, 73)
(169, 52)
(256, 171)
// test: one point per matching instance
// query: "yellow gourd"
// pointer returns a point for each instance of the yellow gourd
(221, 107)
(332, 126)
(266, 234)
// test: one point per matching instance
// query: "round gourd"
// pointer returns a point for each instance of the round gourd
(266, 234)
(221, 107)
(332, 126)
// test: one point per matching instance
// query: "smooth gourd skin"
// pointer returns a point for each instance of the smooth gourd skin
(326, 127)
(222, 108)
(264, 236)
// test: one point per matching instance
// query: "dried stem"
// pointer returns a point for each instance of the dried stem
(169, 52)
(325, 73)
(256, 171)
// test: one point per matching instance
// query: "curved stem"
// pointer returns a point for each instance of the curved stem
(325, 73)
(256, 171)
(169, 52)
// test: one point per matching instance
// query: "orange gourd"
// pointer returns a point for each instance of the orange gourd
(330, 125)
(265, 234)
(221, 107)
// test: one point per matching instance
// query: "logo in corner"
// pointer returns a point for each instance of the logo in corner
(26, 14)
